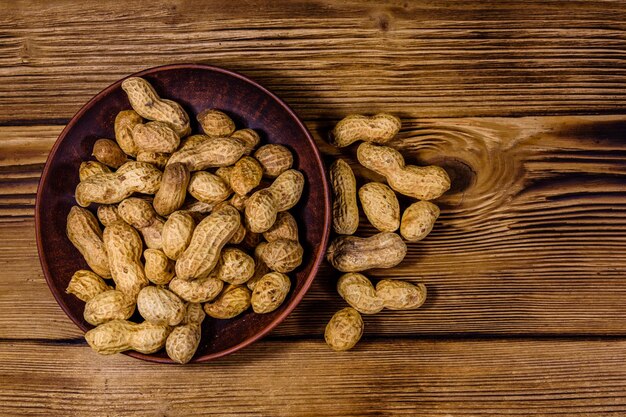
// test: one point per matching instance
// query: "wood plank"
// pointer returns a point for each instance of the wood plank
(328, 57)
(528, 240)
(379, 378)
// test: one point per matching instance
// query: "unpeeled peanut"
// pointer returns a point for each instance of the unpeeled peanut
(125, 121)
(423, 183)
(380, 128)
(147, 103)
(275, 159)
(211, 153)
(260, 268)
(155, 137)
(234, 300)
(224, 173)
(158, 159)
(85, 285)
(245, 175)
(270, 292)
(160, 306)
(85, 234)
(108, 305)
(235, 266)
(282, 255)
(345, 208)
(199, 290)
(140, 214)
(107, 214)
(171, 195)
(260, 211)
(183, 342)
(109, 153)
(359, 292)
(248, 137)
(216, 123)
(381, 206)
(354, 254)
(208, 188)
(203, 252)
(90, 168)
(159, 268)
(285, 227)
(400, 295)
(176, 234)
(239, 235)
(287, 189)
(344, 329)
(119, 335)
(124, 247)
(132, 177)
(418, 220)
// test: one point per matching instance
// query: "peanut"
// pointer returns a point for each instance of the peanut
(345, 208)
(246, 175)
(216, 123)
(132, 177)
(380, 128)
(211, 153)
(85, 285)
(235, 266)
(400, 295)
(85, 234)
(199, 290)
(239, 235)
(108, 305)
(238, 201)
(109, 153)
(140, 214)
(418, 220)
(107, 214)
(270, 292)
(282, 255)
(287, 189)
(208, 188)
(125, 121)
(423, 183)
(234, 300)
(119, 335)
(285, 227)
(160, 306)
(248, 137)
(344, 329)
(251, 240)
(354, 254)
(176, 234)
(224, 173)
(275, 159)
(203, 252)
(183, 342)
(260, 211)
(155, 137)
(147, 103)
(159, 268)
(158, 159)
(260, 268)
(193, 140)
(359, 292)
(173, 190)
(381, 206)
(123, 246)
(90, 168)
(197, 209)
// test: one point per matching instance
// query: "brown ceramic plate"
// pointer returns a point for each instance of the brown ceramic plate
(196, 87)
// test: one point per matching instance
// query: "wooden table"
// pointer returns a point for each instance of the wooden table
(524, 103)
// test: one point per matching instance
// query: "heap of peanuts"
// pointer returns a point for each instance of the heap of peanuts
(174, 241)
(386, 249)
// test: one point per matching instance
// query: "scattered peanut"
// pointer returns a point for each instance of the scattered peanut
(270, 292)
(345, 208)
(234, 300)
(86, 284)
(354, 254)
(418, 220)
(380, 128)
(120, 335)
(400, 295)
(85, 234)
(275, 159)
(381, 206)
(359, 292)
(344, 329)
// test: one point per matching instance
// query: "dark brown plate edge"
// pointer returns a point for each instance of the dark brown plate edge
(327, 209)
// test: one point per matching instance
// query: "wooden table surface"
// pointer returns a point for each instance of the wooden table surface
(523, 102)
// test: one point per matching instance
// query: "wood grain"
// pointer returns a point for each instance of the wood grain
(379, 378)
(327, 58)
(527, 243)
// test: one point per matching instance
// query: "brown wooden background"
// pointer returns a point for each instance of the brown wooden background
(523, 102)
